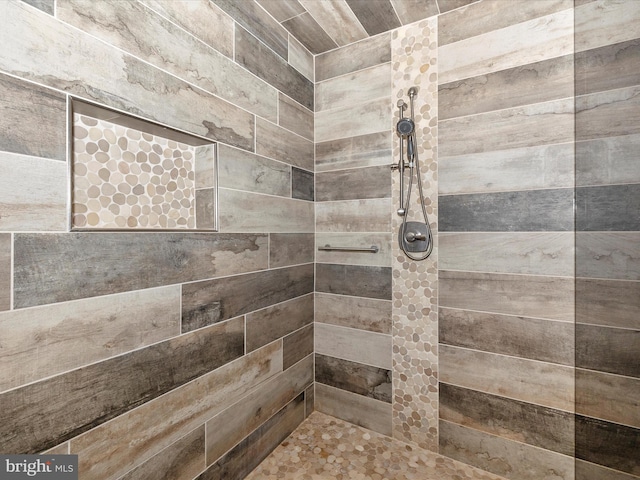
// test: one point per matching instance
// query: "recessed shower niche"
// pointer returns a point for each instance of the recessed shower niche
(128, 173)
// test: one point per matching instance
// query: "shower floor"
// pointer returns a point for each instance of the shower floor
(323, 447)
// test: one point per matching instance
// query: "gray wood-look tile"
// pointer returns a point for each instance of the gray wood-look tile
(511, 459)
(608, 349)
(204, 166)
(309, 400)
(375, 17)
(353, 120)
(252, 212)
(48, 340)
(613, 255)
(38, 416)
(525, 211)
(531, 253)
(47, 6)
(295, 117)
(531, 381)
(305, 28)
(530, 296)
(597, 26)
(354, 280)
(446, 5)
(357, 56)
(357, 87)
(609, 207)
(33, 119)
(297, 346)
(608, 114)
(5, 271)
(278, 143)
(355, 183)
(542, 427)
(609, 444)
(290, 249)
(182, 459)
(271, 323)
(354, 312)
(51, 268)
(204, 303)
(609, 397)
(608, 67)
(607, 302)
(591, 471)
(364, 411)
(544, 340)
(372, 382)
(120, 445)
(361, 346)
(360, 151)
(282, 11)
(527, 126)
(242, 170)
(230, 426)
(301, 59)
(150, 37)
(533, 83)
(410, 11)
(302, 184)
(270, 67)
(205, 208)
(244, 457)
(337, 19)
(382, 258)
(370, 215)
(608, 161)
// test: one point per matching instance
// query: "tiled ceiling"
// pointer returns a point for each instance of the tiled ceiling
(322, 25)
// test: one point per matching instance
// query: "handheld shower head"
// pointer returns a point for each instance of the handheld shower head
(405, 127)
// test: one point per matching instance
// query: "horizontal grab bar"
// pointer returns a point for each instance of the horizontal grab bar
(371, 249)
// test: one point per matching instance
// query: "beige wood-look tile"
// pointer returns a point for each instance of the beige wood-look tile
(410, 11)
(359, 87)
(282, 11)
(608, 114)
(602, 23)
(337, 19)
(353, 344)
(5, 271)
(353, 120)
(360, 151)
(290, 249)
(356, 56)
(275, 142)
(372, 215)
(355, 240)
(591, 471)
(297, 345)
(614, 255)
(295, 117)
(613, 303)
(305, 28)
(608, 161)
(301, 59)
(369, 314)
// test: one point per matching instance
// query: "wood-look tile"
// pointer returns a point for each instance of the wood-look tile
(607, 302)
(297, 346)
(271, 323)
(607, 161)
(196, 17)
(47, 6)
(276, 142)
(355, 183)
(382, 258)
(527, 126)
(244, 457)
(48, 340)
(163, 44)
(531, 381)
(272, 68)
(613, 255)
(410, 11)
(522, 85)
(354, 312)
(353, 344)
(33, 119)
(605, 23)
(371, 215)
(182, 459)
(364, 380)
(62, 449)
(607, 68)
(128, 440)
(608, 444)
(252, 212)
(357, 87)
(242, 170)
(524, 211)
(290, 249)
(608, 114)
(527, 168)
(511, 419)
(608, 207)
(357, 56)
(38, 416)
(5, 271)
(282, 11)
(295, 117)
(609, 397)
(447, 5)
(230, 426)
(309, 400)
(511, 459)
(305, 28)
(205, 208)
(375, 17)
(337, 19)
(205, 166)
(301, 59)
(364, 411)
(517, 44)
(608, 349)
(204, 303)
(50, 268)
(591, 471)
(354, 280)
(530, 296)
(543, 340)
(302, 184)
(360, 151)
(339, 122)
(531, 253)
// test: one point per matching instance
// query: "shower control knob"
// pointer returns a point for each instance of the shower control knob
(413, 236)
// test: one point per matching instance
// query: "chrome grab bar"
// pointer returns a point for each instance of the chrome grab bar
(371, 249)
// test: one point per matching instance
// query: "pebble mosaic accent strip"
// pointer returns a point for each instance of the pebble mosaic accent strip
(127, 179)
(415, 295)
(323, 447)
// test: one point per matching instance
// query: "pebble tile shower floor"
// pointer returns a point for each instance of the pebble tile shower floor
(323, 447)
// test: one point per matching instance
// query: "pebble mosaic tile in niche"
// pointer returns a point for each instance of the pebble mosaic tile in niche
(127, 179)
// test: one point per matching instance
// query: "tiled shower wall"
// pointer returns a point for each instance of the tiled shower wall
(132, 348)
